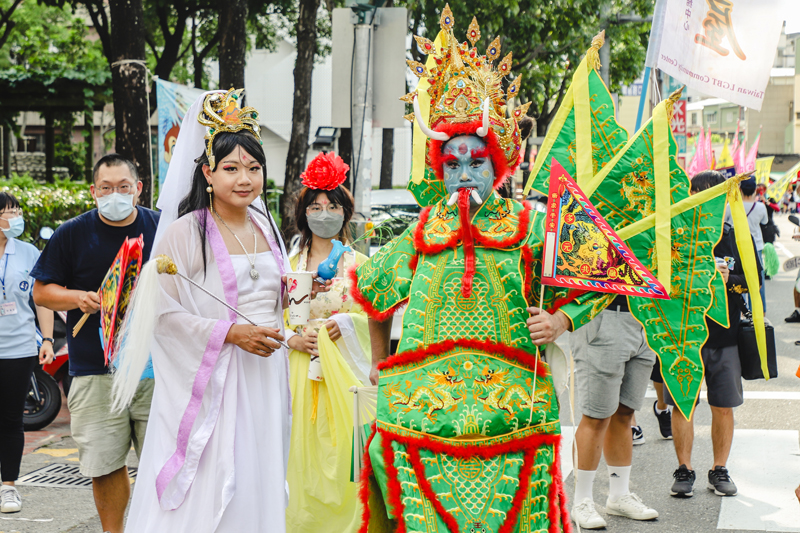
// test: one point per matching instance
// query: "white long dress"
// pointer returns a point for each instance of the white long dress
(232, 465)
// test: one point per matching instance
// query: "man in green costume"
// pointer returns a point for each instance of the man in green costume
(467, 435)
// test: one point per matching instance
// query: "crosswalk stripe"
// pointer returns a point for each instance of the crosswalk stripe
(765, 465)
(749, 395)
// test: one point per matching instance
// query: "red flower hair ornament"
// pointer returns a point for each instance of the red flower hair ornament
(325, 172)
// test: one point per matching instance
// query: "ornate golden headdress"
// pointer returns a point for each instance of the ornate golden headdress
(222, 113)
(467, 97)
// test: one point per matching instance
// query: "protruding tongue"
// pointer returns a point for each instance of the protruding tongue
(468, 242)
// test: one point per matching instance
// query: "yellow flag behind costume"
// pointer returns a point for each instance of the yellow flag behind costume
(725, 159)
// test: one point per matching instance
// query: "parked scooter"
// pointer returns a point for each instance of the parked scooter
(43, 402)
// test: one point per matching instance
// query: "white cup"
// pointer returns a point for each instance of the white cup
(299, 287)
(315, 365)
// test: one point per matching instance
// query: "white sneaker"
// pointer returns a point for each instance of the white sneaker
(631, 506)
(585, 515)
(10, 502)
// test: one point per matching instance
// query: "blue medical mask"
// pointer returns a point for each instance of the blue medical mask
(115, 206)
(467, 165)
(16, 227)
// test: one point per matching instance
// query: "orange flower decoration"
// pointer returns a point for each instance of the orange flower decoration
(325, 172)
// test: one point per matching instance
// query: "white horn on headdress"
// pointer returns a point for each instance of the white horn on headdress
(435, 135)
(483, 130)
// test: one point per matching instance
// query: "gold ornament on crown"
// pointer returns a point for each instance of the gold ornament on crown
(467, 87)
(222, 113)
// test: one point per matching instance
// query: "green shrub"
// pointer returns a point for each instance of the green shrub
(47, 204)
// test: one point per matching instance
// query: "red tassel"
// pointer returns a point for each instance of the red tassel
(468, 243)
(395, 492)
(363, 489)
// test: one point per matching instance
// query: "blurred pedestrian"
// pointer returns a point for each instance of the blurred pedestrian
(322, 496)
(756, 218)
(17, 344)
(70, 270)
(722, 370)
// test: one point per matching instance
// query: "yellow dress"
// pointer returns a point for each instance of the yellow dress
(321, 495)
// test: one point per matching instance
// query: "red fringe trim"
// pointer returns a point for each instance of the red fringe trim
(431, 249)
(561, 302)
(468, 243)
(529, 445)
(427, 490)
(404, 358)
(522, 491)
(363, 489)
(527, 258)
(414, 263)
(365, 304)
(395, 491)
(419, 236)
(502, 169)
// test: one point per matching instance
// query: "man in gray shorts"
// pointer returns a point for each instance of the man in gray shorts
(723, 371)
(612, 369)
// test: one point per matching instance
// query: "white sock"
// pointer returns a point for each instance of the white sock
(584, 480)
(659, 411)
(618, 481)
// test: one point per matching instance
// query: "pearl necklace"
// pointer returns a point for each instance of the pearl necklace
(253, 272)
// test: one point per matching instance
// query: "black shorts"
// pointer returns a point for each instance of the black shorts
(723, 375)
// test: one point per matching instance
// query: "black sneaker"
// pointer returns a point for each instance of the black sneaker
(720, 482)
(794, 317)
(664, 422)
(684, 480)
(638, 435)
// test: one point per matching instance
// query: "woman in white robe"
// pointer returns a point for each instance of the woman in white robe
(217, 442)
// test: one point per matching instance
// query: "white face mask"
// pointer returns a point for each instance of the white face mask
(115, 206)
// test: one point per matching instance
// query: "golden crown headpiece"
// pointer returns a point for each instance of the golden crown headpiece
(466, 95)
(222, 113)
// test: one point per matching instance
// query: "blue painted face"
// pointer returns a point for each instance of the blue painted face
(467, 165)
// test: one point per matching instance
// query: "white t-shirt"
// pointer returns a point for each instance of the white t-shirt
(756, 215)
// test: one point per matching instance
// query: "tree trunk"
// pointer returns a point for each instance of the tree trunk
(88, 137)
(387, 158)
(49, 145)
(129, 85)
(233, 44)
(301, 111)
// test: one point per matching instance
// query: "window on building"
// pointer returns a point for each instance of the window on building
(711, 118)
(694, 119)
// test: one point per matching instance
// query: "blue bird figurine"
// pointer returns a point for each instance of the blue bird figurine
(327, 268)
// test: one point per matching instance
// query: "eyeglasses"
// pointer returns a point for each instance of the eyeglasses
(315, 209)
(122, 189)
(8, 214)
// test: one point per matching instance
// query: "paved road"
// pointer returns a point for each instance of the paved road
(765, 461)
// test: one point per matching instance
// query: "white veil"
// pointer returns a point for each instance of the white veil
(136, 334)
(188, 147)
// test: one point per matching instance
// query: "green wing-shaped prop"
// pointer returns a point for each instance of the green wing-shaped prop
(638, 187)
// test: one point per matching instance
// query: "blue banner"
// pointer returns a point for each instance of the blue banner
(173, 102)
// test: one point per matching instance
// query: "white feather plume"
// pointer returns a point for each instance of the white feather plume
(135, 338)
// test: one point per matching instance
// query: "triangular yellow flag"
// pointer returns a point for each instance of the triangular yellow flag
(725, 160)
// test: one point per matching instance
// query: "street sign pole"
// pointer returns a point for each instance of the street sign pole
(361, 100)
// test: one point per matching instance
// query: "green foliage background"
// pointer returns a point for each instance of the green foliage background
(47, 205)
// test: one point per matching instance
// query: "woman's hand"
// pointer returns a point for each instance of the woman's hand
(333, 330)
(46, 354)
(317, 287)
(306, 343)
(257, 340)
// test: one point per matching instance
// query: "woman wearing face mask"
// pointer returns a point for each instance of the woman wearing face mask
(322, 496)
(18, 352)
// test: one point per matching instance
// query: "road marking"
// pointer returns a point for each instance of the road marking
(783, 249)
(566, 451)
(57, 452)
(766, 481)
(749, 395)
